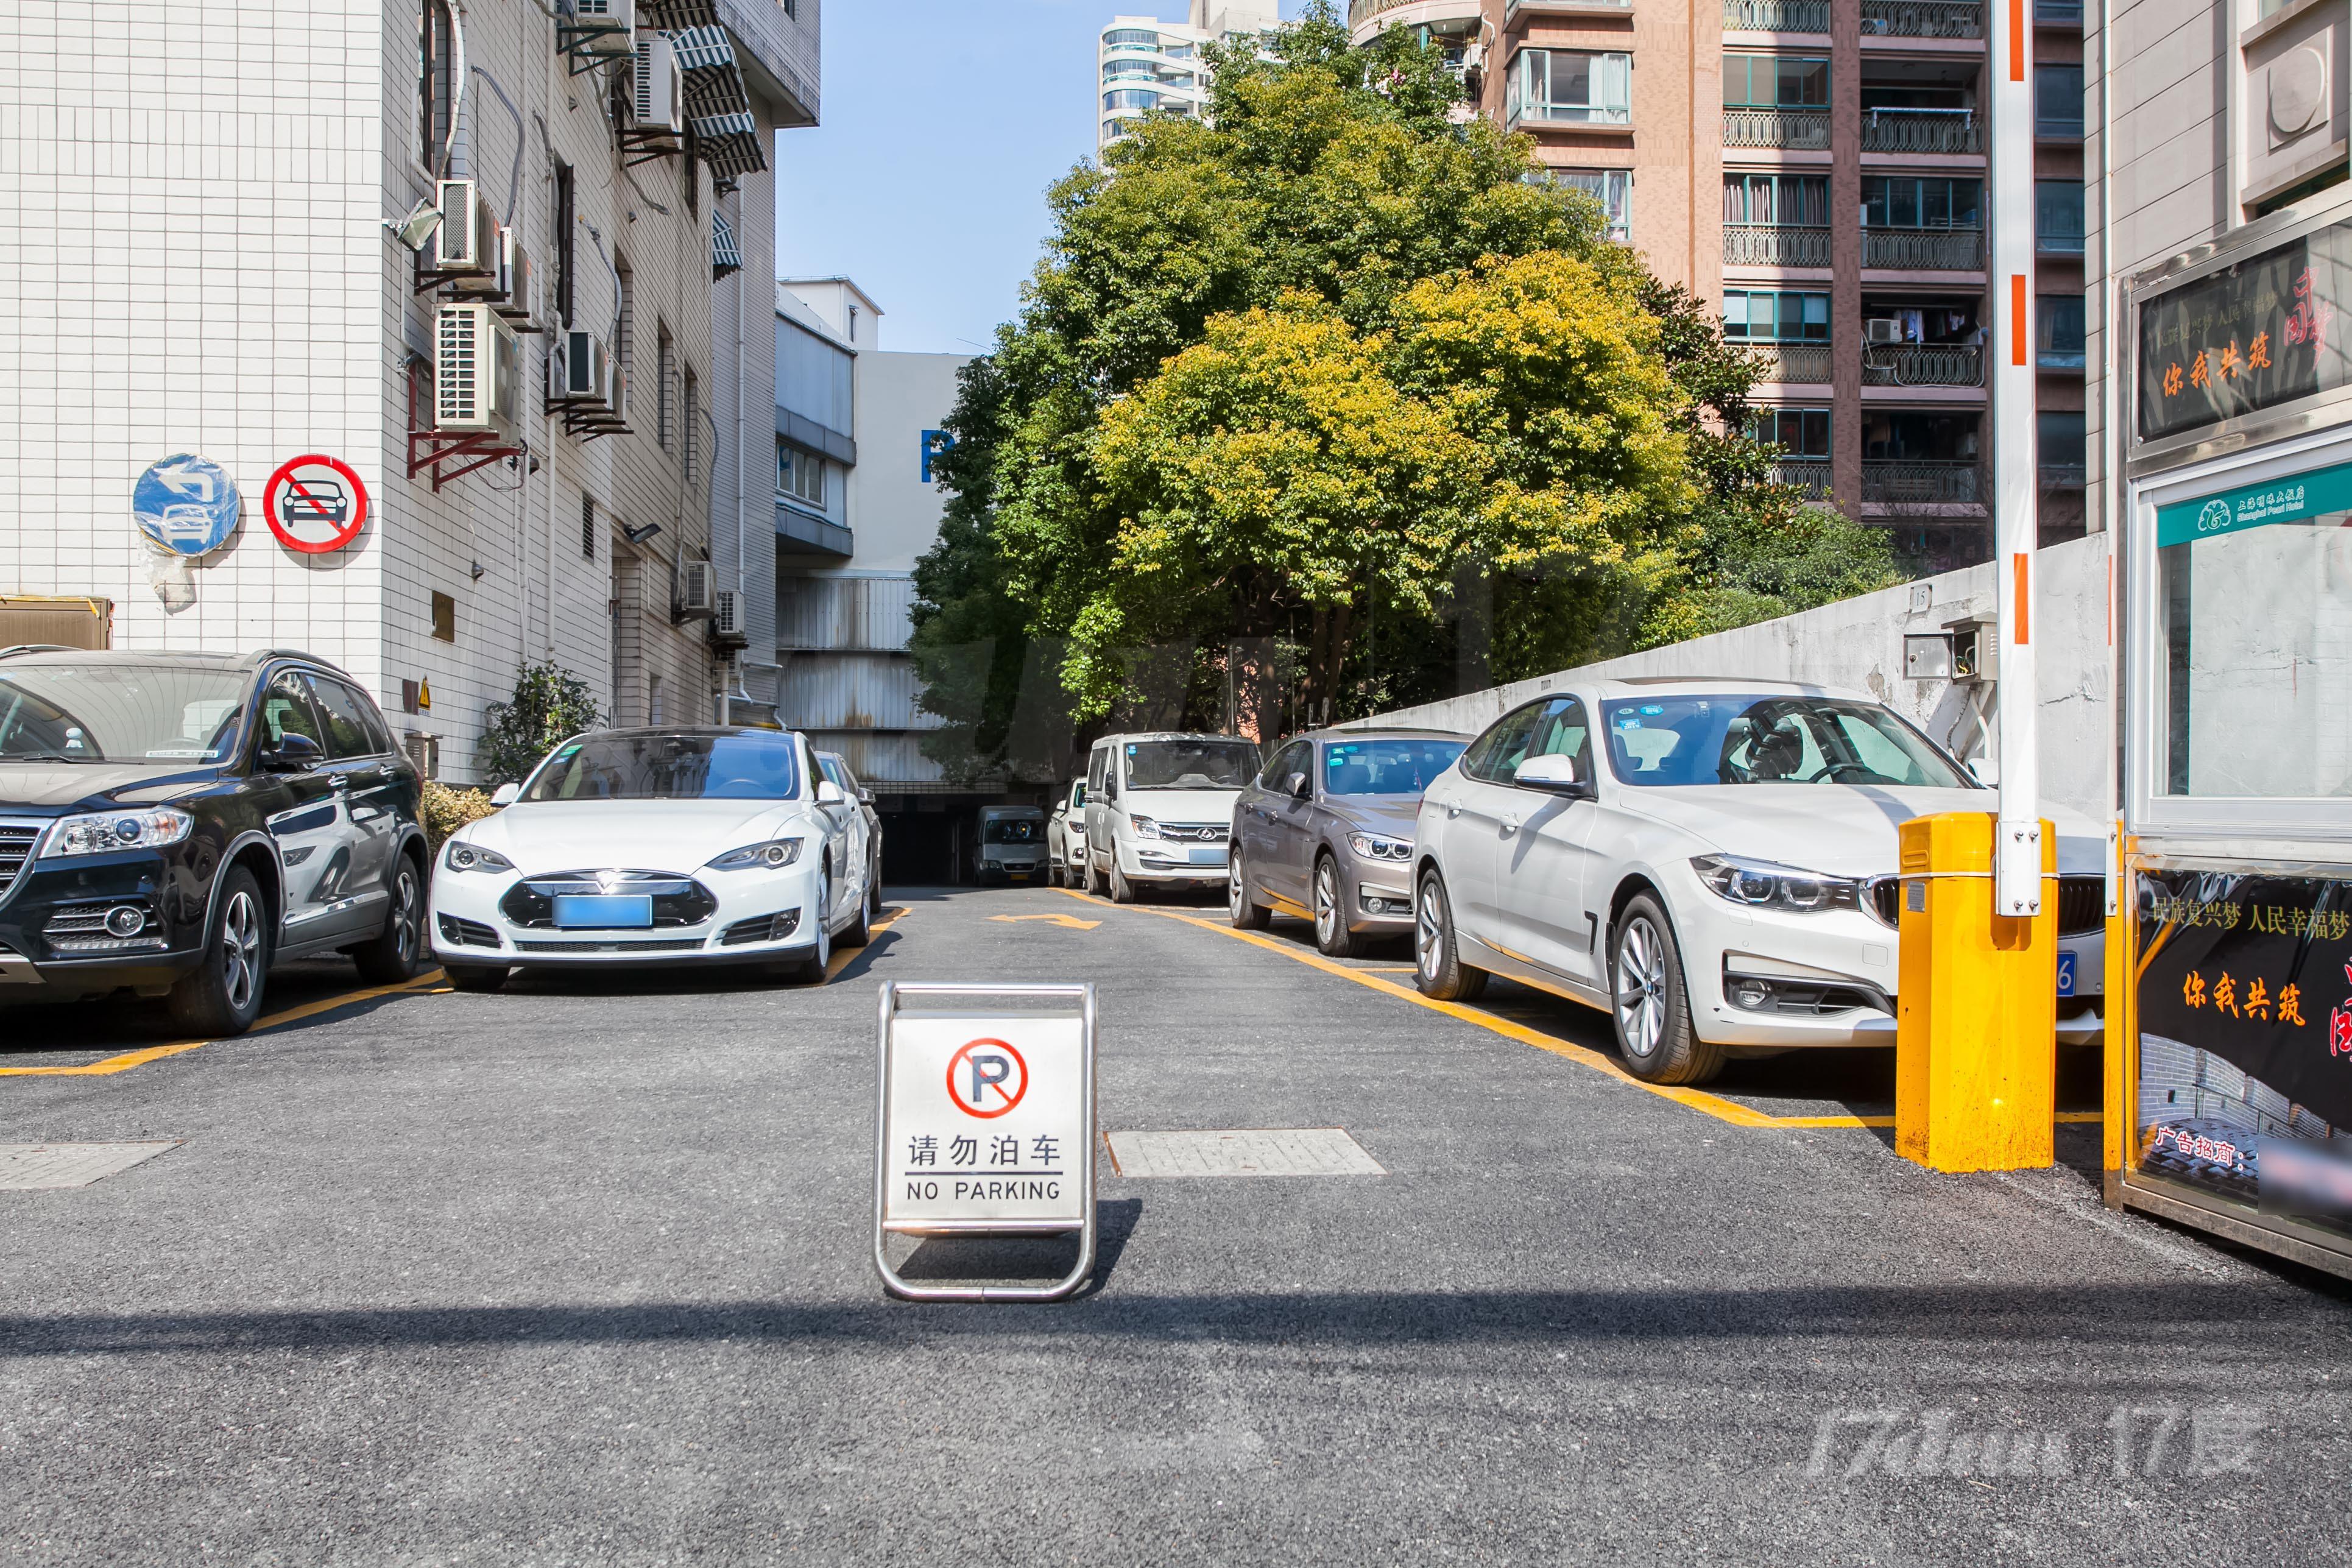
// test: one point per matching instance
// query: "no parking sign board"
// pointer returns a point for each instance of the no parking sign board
(315, 503)
(986, 1125)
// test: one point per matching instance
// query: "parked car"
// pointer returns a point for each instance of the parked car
(1326, 832)
(1066, 838)
(1012, 846)
(864, 823)
(656, 847)
(175, 824)
(1159, 808)
(1724, 885)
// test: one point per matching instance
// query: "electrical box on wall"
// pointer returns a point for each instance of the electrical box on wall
(1928, 656)
(1975, 641)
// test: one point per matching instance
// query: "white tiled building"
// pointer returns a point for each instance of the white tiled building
(201, 263)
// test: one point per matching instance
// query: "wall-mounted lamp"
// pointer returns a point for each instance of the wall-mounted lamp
(477, 569)
(642, 532)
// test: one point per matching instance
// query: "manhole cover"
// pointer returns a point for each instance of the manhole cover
(26, 1166)
(1248, 1152)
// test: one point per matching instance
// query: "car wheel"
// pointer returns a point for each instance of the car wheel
(859, 932)
(1652, 1008)
(1245, 911)
(874, 896)
(222, 995)
(481, 977)
(397, 954)
(1331, 933)
(1122, 891)
(1437, 966)
(810, 971)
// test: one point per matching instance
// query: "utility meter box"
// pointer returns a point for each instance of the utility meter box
(1976, 641)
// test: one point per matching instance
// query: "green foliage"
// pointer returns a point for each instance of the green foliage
(445, 810)
(549, 703)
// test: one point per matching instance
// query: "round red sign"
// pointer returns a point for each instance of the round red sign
(987, 1079)
(315, 504)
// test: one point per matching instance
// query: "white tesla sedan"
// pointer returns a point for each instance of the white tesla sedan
(656, 847)
(1724, 883)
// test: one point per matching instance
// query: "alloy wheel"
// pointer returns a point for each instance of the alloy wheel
(240, 950)
(1642, 986)
(1428, 931)
(1236, 889)
(407, 920)
(1327, 901)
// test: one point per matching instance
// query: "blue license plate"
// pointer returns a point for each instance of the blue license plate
(2065, 973)
(604, 912)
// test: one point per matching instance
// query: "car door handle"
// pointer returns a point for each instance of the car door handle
(1510, 826)
(1452, 812)
(338, 783)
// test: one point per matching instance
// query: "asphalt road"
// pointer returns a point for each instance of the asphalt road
(579, 1274)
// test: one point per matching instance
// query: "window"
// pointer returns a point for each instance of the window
(664, 400)
(1909, 435)
(566, 216)
(1756, 317)
(690, 413)
(1399, 767)
(435, 86)
(1131, 38)
(2058, 332)
(345, 715)
(800, 474)
(1612, 188)
(1130, 98)
(286, 711)
(671, 767)
(445, 617)
(1892, 201)
(1743, 739)
(588, 528)
(1190, 764)
(1799, 432)
(1786, 199)
(1571, 85)
(2058, 217)
(1494, 754)
(1288, 763)
(1775, 82)
(624, 328)
(2061, 438)
(2058, 101)
(1562, 732)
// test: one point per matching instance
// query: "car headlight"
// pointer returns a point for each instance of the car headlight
(102, 832)
(1380, 846)
(1145, 828)
(1760, 884)
(474, 857)
(773, 856)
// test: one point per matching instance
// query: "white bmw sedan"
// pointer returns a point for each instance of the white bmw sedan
(655, 848)
(1722, 882)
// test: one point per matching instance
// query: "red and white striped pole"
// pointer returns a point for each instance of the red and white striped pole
(2008, 101)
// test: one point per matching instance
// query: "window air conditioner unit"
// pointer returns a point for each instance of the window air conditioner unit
(658, 98)
(467, 243)
(1473, 57)
(1880, 330)
(477, 379)
(694, 589)
(727, 628)
(582, 370)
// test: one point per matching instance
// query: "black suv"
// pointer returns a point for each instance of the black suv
(176, 822)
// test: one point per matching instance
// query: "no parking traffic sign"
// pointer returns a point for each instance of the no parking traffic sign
(315, 503)
(986, 1125)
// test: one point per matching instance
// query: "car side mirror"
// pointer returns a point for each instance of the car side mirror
(864, 796)
(1078, 796)
(1553, 772)
(1301, 787)
(829, 794)
(506, 794)
(293, 754)
(1985, 771)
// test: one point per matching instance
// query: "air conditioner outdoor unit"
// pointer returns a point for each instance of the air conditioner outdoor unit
(1474, 56)
(424, 750)
(477, 380)
(727, 628)
(658, 98)
(1880, 330)
(694, 589)
(517, 299)
(581, 369)
(467, 243)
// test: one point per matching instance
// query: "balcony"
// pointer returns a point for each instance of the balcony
(1564, 8)
(1923, 19)
(1776, 15)
(1921, 130)
(1797, 130)
(1923, 364)
(1774, 245)
(1925, 249)
(1364, 13)
(2058, 13)
(1811, 474)
(1920, 482)
(1599, 116)
(1790, 362)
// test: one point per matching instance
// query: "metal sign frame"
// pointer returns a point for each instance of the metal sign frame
(1074, 997)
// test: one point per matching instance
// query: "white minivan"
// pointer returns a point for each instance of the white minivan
(1159, 810)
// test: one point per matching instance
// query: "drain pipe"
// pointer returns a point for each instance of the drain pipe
(2115, 516)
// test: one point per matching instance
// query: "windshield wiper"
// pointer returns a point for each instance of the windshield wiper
(44, 757)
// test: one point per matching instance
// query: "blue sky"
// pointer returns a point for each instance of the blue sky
(942, 123)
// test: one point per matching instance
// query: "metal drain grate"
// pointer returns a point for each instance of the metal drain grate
(28, 1167)
(1247, 1151)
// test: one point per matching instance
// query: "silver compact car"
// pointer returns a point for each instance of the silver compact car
(1326, 832)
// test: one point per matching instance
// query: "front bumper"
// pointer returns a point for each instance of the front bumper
(1162, 860)
(56, 944)
(757, 916)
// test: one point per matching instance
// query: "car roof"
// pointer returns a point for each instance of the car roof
(685, 730)
(1381, 733)
(1171, 735)
(1721, 684)
(37, 653)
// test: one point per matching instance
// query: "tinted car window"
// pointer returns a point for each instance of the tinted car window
(286, 710)
(1292, 760)
(1494, 754)
(119, 712)
(1385, 767)
(1562, 732)
(670, 767)
(1190, 764)
(345, 717)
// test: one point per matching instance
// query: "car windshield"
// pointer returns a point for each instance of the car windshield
(1386, 767)
(1013, 830)
(670, 767)
(1190, 764)
(160, 714)
(1738, 739)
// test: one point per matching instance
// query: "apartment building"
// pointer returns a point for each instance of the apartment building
(1145, 66)
(1720, 137)
(469, 252)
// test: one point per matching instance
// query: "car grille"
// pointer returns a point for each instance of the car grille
(2082, 903)
(1195, 832)
(762, 927)
(16, 841)
(81, 928)
(466, 933)
(678, 900)
(669, 946)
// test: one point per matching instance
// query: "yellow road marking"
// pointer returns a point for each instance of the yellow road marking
(841, 958)
(1070, 921)
(129, 1059)
(1714, 1105)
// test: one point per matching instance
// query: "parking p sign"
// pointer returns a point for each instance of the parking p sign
(987, 1123)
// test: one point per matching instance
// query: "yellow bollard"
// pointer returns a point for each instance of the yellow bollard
(1976, 1053)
